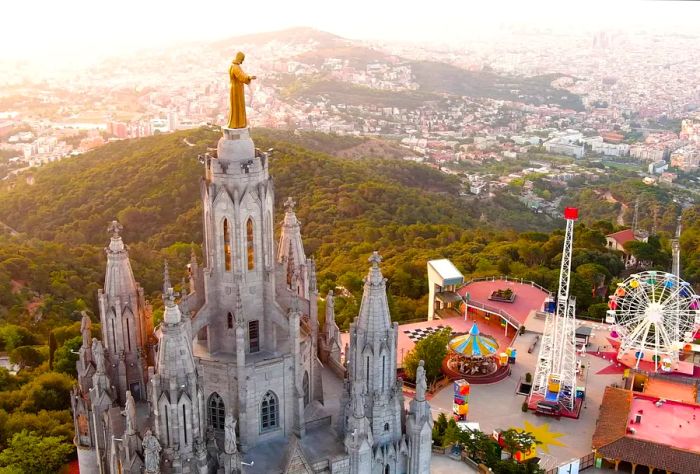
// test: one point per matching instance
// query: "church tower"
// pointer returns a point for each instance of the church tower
(290, 252)
(125, 319)
(236, 379)
(237, 196)
(372, 380)
(243, 320)
(175, 395)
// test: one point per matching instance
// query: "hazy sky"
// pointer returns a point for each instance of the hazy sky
(91, 29)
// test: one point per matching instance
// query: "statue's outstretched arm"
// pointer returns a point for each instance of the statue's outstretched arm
(241, 76)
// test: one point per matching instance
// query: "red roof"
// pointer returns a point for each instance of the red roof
(656, 441)
(622, 236)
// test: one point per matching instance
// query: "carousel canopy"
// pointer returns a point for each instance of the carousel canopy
(474, 344)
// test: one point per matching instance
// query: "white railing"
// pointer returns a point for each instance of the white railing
(507, 278)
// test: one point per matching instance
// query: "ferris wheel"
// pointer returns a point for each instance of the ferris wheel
(655, 314)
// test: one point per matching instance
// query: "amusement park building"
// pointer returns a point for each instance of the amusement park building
(636, 431)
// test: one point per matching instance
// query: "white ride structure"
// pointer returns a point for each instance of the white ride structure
(555, 374)
(655, 315)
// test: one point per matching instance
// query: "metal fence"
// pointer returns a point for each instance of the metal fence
(507, 278)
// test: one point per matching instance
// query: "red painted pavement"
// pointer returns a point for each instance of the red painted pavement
(527, 297)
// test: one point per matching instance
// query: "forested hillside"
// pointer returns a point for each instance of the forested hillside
(349, 207)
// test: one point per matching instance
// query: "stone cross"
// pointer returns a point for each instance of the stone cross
(289, 204)
(114, 228)
(375, 259)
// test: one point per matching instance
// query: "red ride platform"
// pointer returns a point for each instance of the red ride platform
(578, 403)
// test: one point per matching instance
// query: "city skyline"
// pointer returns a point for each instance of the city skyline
(84, 32)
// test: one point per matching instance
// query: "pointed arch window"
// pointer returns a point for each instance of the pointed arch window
(227, 246)
(383, 371)
(268, 246)
(229, 321)
(367, 373)
(216, 411)
(305, 385)
(253, 336)
(269, 412)
(167, 425)
(250, 246)
(184, 422)
(128, 334)
(290, 265)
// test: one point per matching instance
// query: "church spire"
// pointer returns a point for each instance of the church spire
(290, 250)
(372, 369)
(119, 278)
(124, 318)
(166, 278)
(175, 385)
(374, 308)
(172, 313)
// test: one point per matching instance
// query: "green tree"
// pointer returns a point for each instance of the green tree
(432, 350)
(597, 311)
(48, 423)
(49, 391)
(452, 433)
(516, 440)
(28, 452)
(12, 336)
(67, 356)
(26, 356)
(475, 443)
(439, 429)
(53, 345)
(7, 380)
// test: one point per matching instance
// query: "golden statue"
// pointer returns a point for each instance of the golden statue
(237, 118)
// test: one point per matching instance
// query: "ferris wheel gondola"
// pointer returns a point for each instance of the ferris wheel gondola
(653, 314)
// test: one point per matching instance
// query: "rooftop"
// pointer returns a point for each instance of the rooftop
(447, 271)
(667, 437)
(528, 297)
(622, 236)
(672, 423)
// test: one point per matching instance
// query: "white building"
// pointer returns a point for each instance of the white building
(443, 281)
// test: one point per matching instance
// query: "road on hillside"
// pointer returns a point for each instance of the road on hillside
(9, 229)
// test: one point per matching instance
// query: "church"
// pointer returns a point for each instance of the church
(242, 375)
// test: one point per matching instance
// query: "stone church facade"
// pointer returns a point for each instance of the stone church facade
(239, 376)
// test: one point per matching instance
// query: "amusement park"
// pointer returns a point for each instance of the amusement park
(590, 394)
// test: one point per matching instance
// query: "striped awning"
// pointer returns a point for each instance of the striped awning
(474, 344)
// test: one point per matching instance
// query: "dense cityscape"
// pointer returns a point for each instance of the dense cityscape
(290, 251)
(594, 97)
